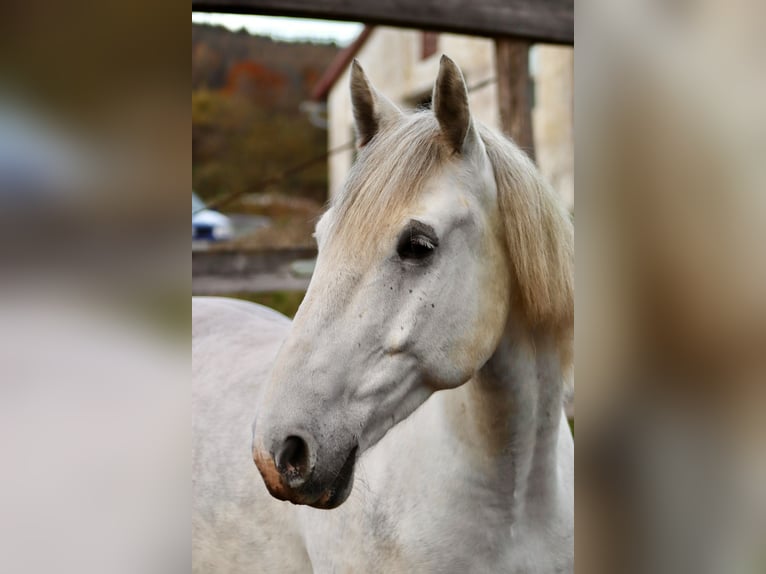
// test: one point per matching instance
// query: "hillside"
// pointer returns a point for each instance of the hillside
(246, 121)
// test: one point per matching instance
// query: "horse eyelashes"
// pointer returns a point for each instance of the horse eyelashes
(423, 241)
(415, 247)
(417, 241)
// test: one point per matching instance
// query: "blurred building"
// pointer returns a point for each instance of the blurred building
(403, 64)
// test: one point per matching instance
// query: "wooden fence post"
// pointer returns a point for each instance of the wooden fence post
(513, 91)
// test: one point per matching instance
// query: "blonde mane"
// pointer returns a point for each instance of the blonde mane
(539, 234)
(389, 174)
(391, 171)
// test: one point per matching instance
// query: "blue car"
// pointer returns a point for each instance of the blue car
(208, 224)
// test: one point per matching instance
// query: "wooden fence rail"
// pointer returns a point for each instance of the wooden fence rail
(549, 21)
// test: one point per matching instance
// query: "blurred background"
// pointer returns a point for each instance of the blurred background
(259, 152)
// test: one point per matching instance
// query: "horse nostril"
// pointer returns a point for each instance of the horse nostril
(293, 460)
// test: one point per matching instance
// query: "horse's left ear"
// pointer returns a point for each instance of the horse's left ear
(450, 105)
(372, 110)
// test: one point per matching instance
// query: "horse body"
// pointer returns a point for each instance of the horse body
(236, 525)
(436, 494)
(413, 410)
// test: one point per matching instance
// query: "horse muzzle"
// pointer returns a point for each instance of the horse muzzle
(291, 472)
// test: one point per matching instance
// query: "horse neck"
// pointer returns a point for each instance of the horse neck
(509, 416)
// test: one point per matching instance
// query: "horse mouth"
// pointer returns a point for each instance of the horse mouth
(339, 489)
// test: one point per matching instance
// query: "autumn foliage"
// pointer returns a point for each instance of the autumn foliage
(247, 127)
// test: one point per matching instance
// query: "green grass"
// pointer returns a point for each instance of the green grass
(286, 302)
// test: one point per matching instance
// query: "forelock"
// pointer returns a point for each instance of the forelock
(389, 174)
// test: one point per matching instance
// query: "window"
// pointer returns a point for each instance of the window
(429, 44)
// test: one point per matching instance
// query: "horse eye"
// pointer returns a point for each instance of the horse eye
(415, 245)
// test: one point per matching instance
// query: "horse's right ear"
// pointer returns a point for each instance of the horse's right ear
(450, 105)
(372, 110)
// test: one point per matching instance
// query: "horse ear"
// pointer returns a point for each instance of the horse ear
(372, 110)
(450, 105)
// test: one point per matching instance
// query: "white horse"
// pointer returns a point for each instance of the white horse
(418, 393)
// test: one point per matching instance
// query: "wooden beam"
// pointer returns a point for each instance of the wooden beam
(548, 21)
(514, 90)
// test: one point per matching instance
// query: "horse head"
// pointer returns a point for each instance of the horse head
(421, 259)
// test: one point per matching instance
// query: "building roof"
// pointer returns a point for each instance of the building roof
(339, 65)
